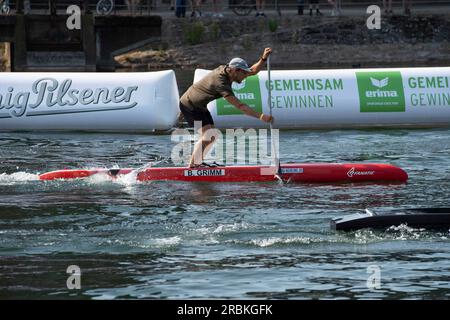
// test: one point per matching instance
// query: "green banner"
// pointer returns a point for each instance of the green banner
(381, 91)
(248, 91)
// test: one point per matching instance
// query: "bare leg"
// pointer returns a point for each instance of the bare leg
(202, 146)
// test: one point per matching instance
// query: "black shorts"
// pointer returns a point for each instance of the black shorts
(313, 1)
(196, 114)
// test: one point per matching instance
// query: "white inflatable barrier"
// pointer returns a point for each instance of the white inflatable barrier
(122, 102)
(409, 97)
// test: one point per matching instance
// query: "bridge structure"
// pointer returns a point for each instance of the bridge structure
(43, 40)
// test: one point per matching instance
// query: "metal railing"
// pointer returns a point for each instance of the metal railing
(98, 7)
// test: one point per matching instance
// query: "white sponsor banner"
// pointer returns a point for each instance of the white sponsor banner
(341, 98)
(125, 102)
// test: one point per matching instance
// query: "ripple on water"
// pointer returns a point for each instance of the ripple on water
(180, 240)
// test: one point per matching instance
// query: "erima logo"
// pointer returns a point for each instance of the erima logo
(245, 96)
(238, 86)
(248, 91)
(380, 93)
(379, 83)
(242, 95)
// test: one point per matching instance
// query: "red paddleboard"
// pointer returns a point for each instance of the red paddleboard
(296, 172)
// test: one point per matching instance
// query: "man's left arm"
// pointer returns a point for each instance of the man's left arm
(258, 65)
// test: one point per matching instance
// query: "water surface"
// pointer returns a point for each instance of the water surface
(240, 240)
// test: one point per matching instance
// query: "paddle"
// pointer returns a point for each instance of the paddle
(276, 158)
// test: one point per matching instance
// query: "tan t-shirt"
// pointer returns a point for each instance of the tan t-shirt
(214, 85)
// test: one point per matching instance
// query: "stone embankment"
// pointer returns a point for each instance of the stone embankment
(298, 41)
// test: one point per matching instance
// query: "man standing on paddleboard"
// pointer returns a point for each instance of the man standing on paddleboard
(215, 85)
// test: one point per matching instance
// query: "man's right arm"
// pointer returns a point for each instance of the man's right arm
(247, 110)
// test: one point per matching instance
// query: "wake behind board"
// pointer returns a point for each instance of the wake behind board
(428, 218)
(296, 172)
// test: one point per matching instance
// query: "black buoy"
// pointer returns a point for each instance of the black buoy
(428, 218)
